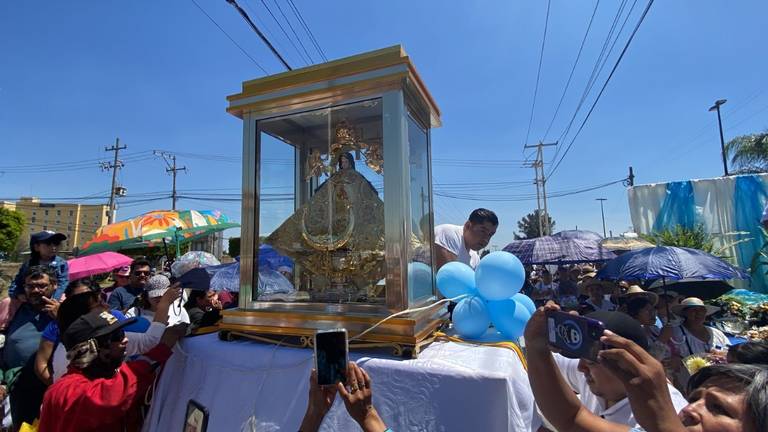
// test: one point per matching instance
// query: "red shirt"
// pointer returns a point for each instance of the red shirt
(77, 403)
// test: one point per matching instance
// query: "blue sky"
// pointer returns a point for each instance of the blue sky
(75, 75)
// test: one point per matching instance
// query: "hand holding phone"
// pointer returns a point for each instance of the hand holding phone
(574, 336)
(331, 356)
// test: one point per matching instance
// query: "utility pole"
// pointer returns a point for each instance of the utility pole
(541, 182)
(170, 161)
(631, 178)
(716, 107)
(114, 166)
(602, 213)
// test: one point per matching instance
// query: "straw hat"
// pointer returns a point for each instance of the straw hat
(693, 302)
(588, 271)
(635, 291)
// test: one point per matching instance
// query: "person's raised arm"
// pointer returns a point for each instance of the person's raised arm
(318, 403)
(645, 381)
(359, 400)
(43, 361)
(555, 398)
(163, 306)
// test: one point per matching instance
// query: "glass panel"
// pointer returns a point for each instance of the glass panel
(420, 280)
(321, 213)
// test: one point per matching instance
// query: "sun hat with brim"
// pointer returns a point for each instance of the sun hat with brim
(693, 302)
(635, 291)
(92, 325)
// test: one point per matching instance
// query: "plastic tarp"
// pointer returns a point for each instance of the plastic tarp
(729, 208)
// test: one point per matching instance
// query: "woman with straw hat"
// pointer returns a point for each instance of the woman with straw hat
(641, 305)
(693, 337)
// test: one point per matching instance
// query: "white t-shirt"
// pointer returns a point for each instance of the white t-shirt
(688, 344)
(620, 412)
(176, 314)
(451, 237)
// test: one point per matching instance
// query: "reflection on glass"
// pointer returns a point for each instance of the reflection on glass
(420, 279)
(331, 229)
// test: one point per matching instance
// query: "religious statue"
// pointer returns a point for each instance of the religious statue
(337, 237)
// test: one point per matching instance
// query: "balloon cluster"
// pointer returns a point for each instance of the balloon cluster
(490, 295)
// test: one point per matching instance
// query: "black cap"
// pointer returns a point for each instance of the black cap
(47, 236)
(623, 325)
(196, 279)
(92, 325)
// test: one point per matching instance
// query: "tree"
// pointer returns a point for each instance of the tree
(749, 153)
(529, 225)
(233, 249)
(694, 238)
(11, 227)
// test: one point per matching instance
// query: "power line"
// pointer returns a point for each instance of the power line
(259, 33)
(306, 28)
(285, 33)
(597, 99)
(573, 69)
(538, 73)
(528, 197)
(293, 31)
(231, 39)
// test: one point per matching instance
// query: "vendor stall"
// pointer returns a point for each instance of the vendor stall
(248, 386)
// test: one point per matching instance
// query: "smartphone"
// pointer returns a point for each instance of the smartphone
(574, 336)
(331, 356)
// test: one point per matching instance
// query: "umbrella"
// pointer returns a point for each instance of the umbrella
(269, 257)
(567, 247)
(669, 263)
(193, 259)
(96, 264)
(225, 277)
(152, 228)
(625, 243)
(704, 289)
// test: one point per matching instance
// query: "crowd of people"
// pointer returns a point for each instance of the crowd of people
(65, 341)
(82, 357)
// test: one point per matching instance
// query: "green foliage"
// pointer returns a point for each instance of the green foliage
(11, 227)
(529, 225)
(680, 236)
(234, 247)
(749, 153)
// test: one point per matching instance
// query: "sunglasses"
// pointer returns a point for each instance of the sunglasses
(141, 273)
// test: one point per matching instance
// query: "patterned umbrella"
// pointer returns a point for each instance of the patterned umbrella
(566, 247)
(151, 228)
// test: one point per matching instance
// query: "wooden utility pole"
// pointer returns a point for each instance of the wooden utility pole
(114, 166)
(541, 185)
(170, 161)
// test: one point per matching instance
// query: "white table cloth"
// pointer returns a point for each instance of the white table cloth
(253, 386)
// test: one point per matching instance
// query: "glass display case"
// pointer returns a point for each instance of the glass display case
(337, 219)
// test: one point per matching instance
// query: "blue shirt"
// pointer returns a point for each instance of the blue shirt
(23, 336)
(59, 266)
(123, 297)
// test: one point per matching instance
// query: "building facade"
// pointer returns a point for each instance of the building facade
(78, 222)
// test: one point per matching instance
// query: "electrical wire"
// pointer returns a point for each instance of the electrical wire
(259, 33)
(538, 73)
(307, 30)
(573, 69)
(230, 38)
(605, 85)
(290, 26)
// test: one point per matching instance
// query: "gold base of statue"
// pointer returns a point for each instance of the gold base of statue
(405, 335)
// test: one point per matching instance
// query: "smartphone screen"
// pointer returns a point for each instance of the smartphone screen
(574, 336)
(331, 356)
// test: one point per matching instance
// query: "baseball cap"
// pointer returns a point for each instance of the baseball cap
(123, 271)
(92, 325)
(47, 236)
(623, 325)
(157, 285)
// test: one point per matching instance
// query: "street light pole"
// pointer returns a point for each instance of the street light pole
(602, 213)
(716, 107)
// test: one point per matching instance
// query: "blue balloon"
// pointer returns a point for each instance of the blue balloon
(455, 279)
(499, 276)
(420, 280)
(470, 317)
(509, 317)
(525, 301)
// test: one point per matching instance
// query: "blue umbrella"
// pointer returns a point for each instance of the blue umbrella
(669, 263)
(589, 236)
(562, 248)
(225, 277)
(269, 257)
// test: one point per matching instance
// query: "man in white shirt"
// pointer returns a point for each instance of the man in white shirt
(461, 243)
(602, 398)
